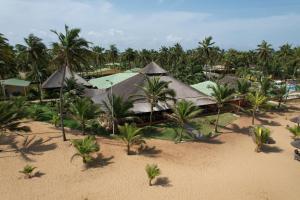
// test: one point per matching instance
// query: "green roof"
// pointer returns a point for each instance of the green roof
(203, 87)
(104, 82)
(16, 82)
(133, 70)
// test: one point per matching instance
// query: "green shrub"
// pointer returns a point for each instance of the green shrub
(27, 171)
(295, 131)
(152, 172)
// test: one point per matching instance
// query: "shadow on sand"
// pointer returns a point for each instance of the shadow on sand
(99, 162)
(149, 151)
(271, 149)
(163, 181)
(29, 146)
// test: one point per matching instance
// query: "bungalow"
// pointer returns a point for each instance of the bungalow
(14, 87)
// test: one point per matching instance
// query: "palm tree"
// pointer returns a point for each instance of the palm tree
(7, 58)
(221, 94)
(118, 109)
(183, 112)
(266, 85)
(70, 51)
(11, 114)
(242, 89)
(261, 136)
(155, 91)
(207, 47)
(98, 56)
(129, 56)
(83, 110)
(280, 93)
(152, 172)
(85, 147)
(264, 51)
(113, 53)
(35, 54)
(256, 100)
(131, 135)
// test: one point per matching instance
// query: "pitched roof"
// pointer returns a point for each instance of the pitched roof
(129, 88)
(105, 82)
(204, 87)
(16, 82)
(54, 81)
(153, 69)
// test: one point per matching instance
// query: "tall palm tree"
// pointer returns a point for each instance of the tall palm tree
(155, 91)
(242, 89)
(207, 46)
(264, 51)
(70, 51)
(35, 54)
(129, 56)
(256, 100)
(118, 110)
(113, 53)
(183, 112)
(98, 55)
(7, 58)
(131, 135)
(83, 110)
(221, 94)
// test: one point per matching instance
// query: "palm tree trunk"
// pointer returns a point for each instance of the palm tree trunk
(217, 121)
(150, 183)
(128, 149)
(83, 127)
(61, 99)
(151, 113)
(253, 116)
(180, 135)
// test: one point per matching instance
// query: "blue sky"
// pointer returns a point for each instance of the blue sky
(152, 23)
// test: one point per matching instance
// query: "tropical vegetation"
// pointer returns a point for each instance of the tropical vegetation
(85, 147)
(152, 172)
(183, 112)
(261, 136)
(131, 135)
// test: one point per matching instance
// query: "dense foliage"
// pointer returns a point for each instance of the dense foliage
(186, 65)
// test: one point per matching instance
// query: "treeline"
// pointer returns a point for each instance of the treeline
(38, 62)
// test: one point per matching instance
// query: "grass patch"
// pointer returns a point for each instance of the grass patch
(44, 112)
(205, 125)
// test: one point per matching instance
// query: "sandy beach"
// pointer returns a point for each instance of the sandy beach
(224, 168)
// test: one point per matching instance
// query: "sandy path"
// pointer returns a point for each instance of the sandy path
(227, 168)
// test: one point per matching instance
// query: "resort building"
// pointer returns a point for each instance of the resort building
(54, 81)
(130, 87)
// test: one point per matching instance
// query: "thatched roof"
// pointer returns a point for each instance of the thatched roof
(54, 81)
(153, 69)
(129, 87)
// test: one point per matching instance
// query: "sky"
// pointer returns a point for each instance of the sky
(239, 24)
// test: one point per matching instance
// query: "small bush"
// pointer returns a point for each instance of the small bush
(152, 172)
(28, 170)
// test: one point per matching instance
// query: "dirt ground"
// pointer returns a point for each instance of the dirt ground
(224, 168)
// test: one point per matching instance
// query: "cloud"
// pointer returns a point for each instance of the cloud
(104, 23)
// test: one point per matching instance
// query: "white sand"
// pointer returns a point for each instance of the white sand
(227, 168)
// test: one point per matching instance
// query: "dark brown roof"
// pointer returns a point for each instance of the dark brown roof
(129, 87)
(54, 81)
(153, 69)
